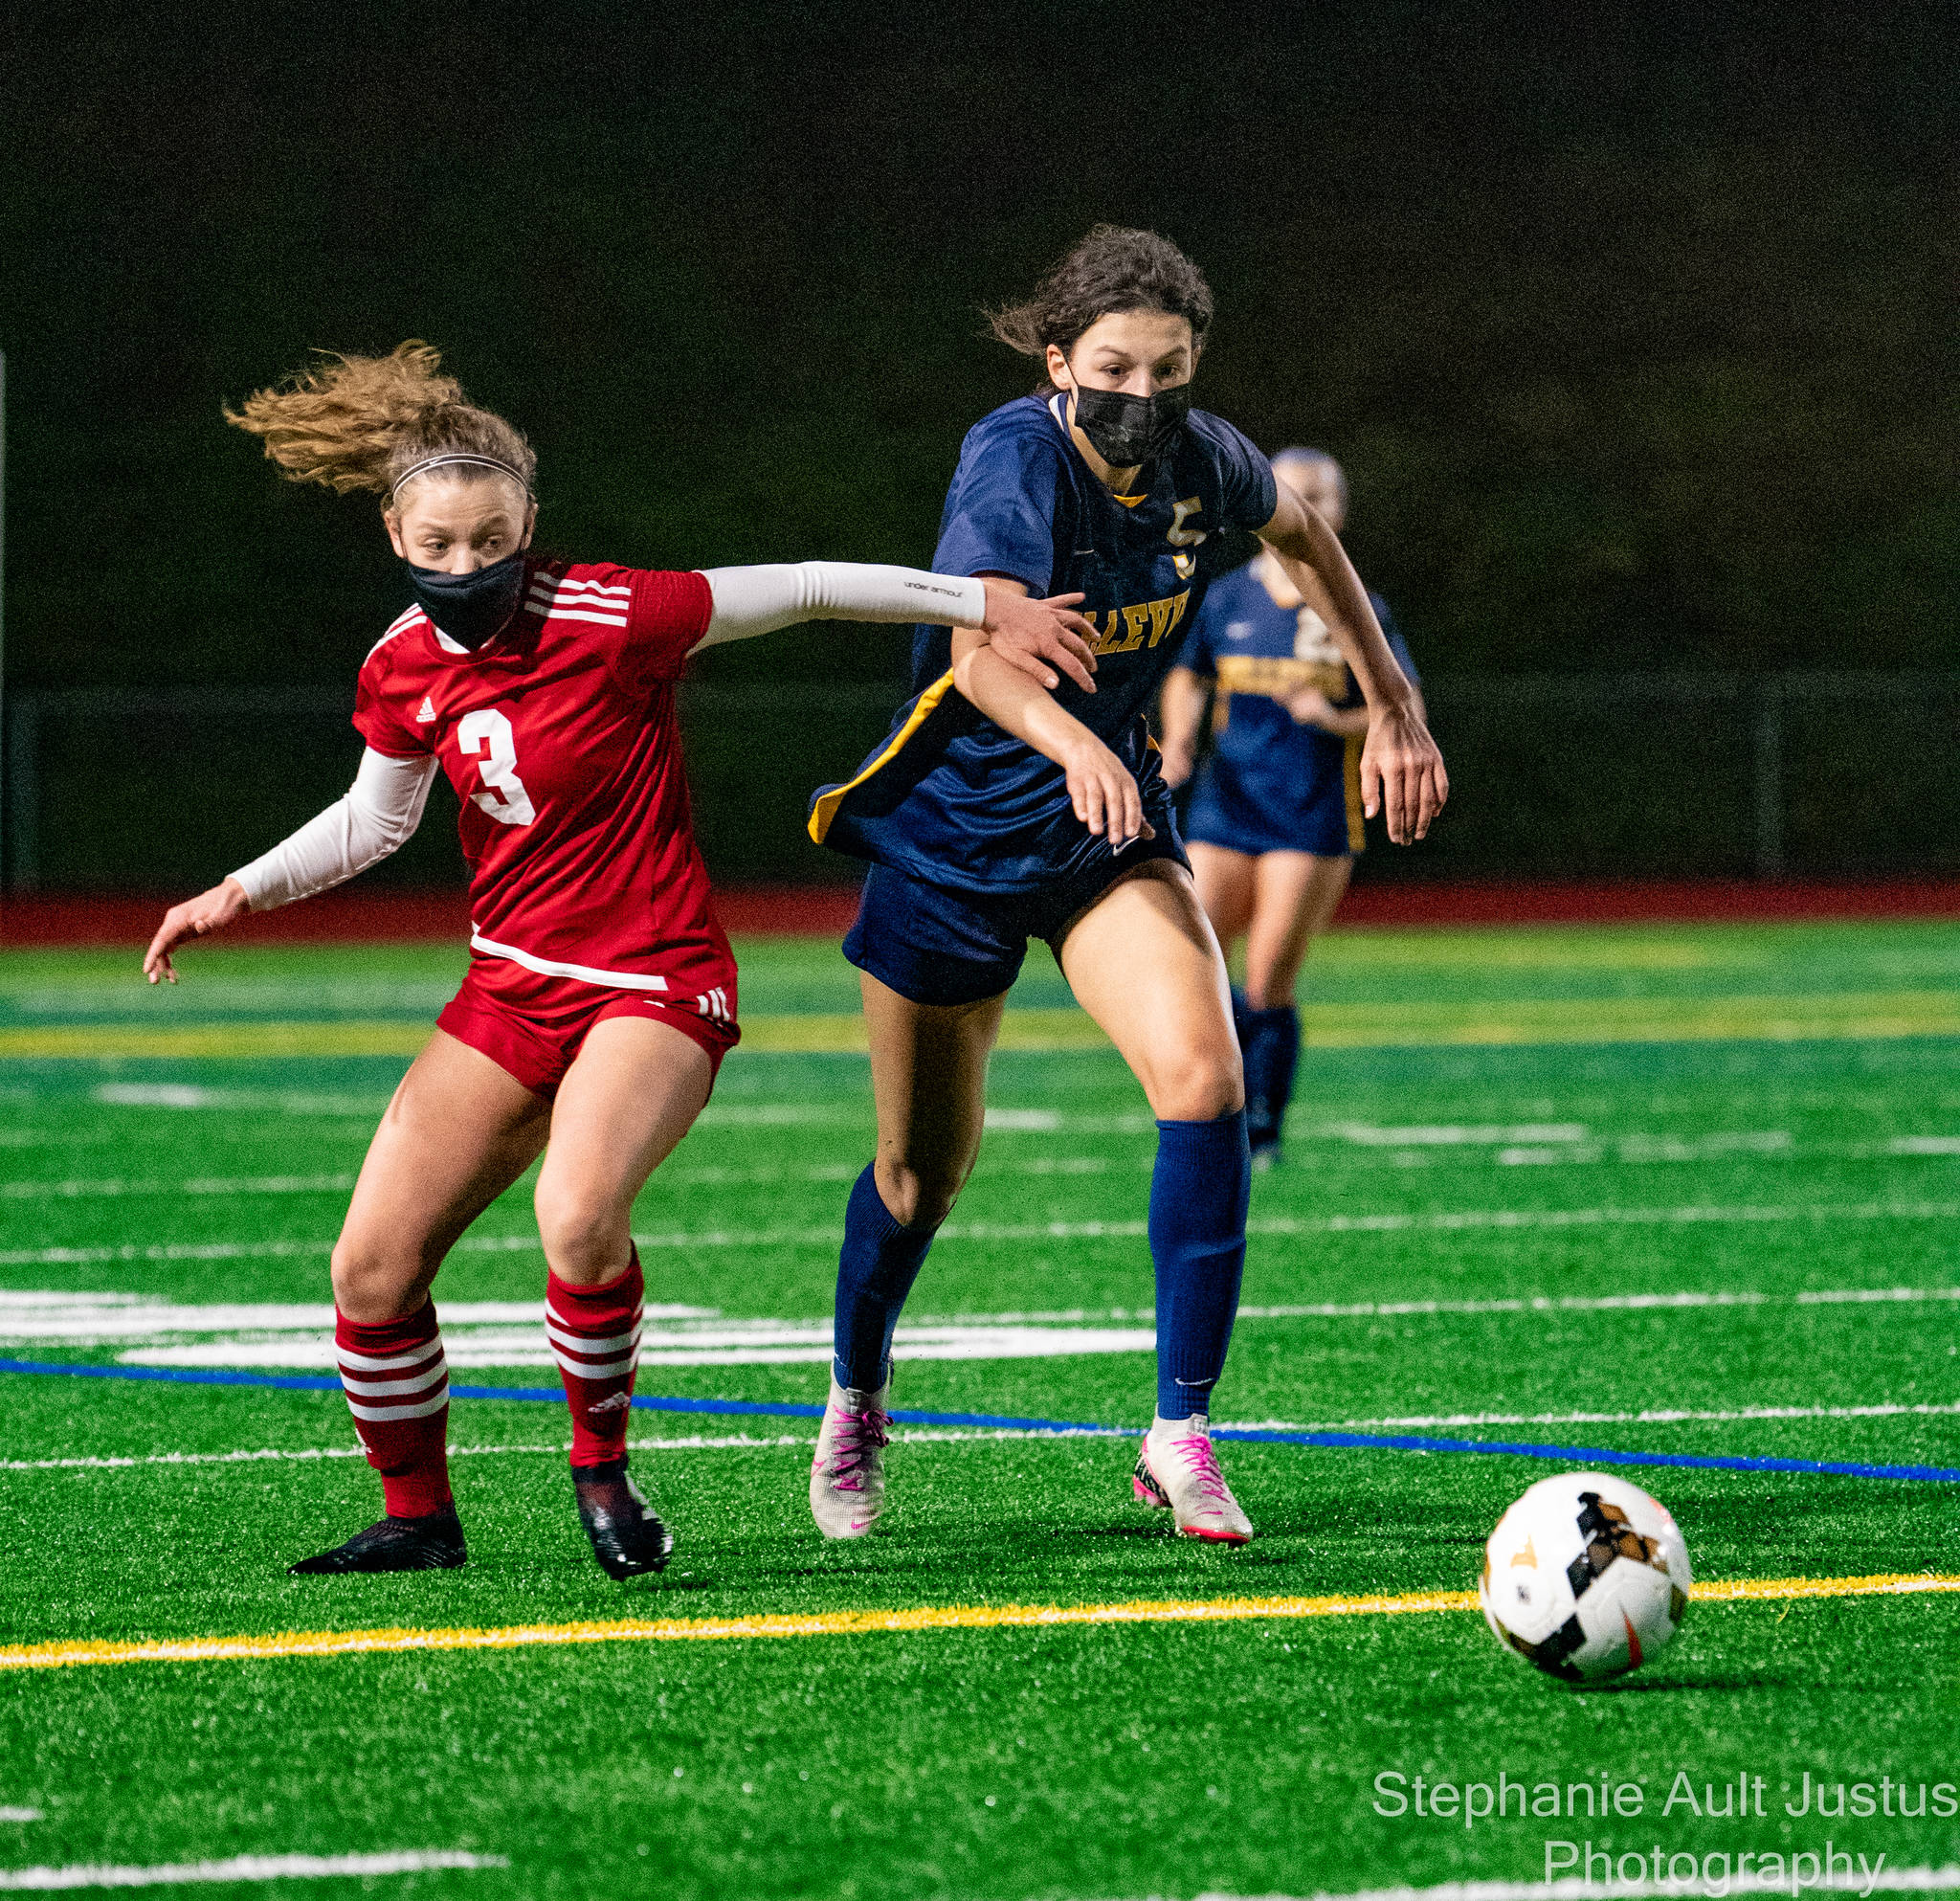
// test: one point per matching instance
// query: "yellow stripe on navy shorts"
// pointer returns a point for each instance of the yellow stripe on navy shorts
(825, 810)
(1350, 774)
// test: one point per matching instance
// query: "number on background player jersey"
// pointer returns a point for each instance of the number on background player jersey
(503, 797)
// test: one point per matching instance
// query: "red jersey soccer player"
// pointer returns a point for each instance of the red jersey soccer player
(600, 997)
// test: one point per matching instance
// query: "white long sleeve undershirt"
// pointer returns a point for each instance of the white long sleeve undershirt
(380, 810)
(378, 815)
(759, 601)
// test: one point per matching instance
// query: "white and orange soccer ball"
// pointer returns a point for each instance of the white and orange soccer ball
(1586, 1576)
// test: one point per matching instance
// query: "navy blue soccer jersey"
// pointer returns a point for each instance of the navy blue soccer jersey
(1271, 782)
(949, 796)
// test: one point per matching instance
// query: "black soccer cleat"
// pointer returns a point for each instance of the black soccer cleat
(434, 1543)
(628, 1537)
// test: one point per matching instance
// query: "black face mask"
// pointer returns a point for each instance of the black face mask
(1126, 430)
(471, 608)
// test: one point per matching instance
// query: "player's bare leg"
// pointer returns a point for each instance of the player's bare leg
(1143, 962)
(632, 1093)
(1227, 888)
(458, 1131)
(1296, 895)
(928, 1073)
(928, 1069)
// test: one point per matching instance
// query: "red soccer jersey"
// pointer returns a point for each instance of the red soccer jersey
(561, 740)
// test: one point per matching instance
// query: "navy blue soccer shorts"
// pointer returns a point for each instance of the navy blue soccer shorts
(935, 945)
(1225, 813)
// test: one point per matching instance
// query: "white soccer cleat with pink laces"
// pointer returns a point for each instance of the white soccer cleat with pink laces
(847, 1475)
(1177, 1471)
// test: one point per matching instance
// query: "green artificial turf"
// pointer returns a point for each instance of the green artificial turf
(1794, 1179)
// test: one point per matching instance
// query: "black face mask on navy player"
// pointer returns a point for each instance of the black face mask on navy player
(474, 608)
(1126, 430)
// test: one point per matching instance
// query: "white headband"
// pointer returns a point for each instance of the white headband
(454, 460)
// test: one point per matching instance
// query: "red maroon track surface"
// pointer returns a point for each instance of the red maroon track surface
(343, 916)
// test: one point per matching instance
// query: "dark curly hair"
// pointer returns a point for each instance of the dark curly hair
(1113, 268)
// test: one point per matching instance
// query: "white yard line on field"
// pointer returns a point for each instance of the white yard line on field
(727, 1441)
(511, 1333)
(90, 1316)
(815, 1174)
(116, 1186)
(196, 1096)
(204, 1251)
(1433, 1221)
(717, 1115)
(729, 1343)
(1505, 1147)
(242, 1867)
(307, 1454)
(300, 1102)
(1284, 1226)
(1646, 1416)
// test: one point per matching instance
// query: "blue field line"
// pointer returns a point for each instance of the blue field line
(1595, 1455)
(1368, 1441)
(298, 1383)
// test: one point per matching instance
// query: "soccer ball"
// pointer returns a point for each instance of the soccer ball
(1586, 1576)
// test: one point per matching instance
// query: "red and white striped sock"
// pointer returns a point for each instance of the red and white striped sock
(595, 1334)
(396, 1380)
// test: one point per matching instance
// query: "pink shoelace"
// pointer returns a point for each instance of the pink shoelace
(858, 1436)
(1205, 1466)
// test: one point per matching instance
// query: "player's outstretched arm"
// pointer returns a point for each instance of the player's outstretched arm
(1401, 767)
(1179, 712)
(1037, 636)
(378, 815)
(1101, 787)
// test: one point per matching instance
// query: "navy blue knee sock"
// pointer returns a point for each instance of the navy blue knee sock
(1198, 1195)
(1271, 1043)
(880, 1259)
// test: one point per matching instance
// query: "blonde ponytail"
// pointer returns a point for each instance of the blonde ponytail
(363, 422)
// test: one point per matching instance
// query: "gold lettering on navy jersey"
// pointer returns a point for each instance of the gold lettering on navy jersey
(1184, 539)
(1123, 630)
(1279, 679)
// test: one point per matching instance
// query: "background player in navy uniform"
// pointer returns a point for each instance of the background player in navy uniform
(992, 815)
(1276, 815)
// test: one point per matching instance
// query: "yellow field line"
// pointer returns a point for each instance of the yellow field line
(1735, 1590)
(193, 1041)
(1850, 1015)
(858, 1623)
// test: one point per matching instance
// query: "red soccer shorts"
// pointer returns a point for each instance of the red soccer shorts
(533, 1026)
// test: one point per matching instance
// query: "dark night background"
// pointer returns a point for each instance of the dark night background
(1634, 326)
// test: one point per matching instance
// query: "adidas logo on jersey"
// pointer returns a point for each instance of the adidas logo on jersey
(426, 711)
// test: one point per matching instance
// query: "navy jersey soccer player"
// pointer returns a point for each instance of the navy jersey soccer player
(1276, 779)
(997, 812)
(952, 798)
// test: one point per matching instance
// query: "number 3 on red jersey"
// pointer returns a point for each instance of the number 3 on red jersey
(503, 797)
